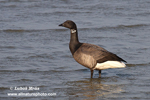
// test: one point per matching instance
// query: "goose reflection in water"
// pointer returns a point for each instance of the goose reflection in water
(94, 88)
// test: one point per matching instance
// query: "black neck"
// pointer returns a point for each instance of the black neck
(74, 42)
(74, 36)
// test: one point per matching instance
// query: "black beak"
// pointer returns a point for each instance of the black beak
(61, 25)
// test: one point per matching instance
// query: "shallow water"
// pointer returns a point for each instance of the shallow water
(34, 51)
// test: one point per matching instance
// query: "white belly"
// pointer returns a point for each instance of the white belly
(109, 64)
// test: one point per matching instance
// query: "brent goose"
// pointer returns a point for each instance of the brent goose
(89, 55)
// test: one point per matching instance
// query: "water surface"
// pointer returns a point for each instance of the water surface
(34, 51)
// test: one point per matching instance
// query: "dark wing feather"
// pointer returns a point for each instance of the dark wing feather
(99, 53)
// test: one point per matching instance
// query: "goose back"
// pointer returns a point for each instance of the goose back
(89, 55)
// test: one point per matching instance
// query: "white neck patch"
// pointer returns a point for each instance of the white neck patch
(73, 31)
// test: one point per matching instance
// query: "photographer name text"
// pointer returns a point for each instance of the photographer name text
(31, 88)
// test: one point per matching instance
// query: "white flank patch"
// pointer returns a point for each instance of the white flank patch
(73, 31)
(109, 64)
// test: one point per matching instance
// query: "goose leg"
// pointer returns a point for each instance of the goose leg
(91, 73)
(99, 73)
